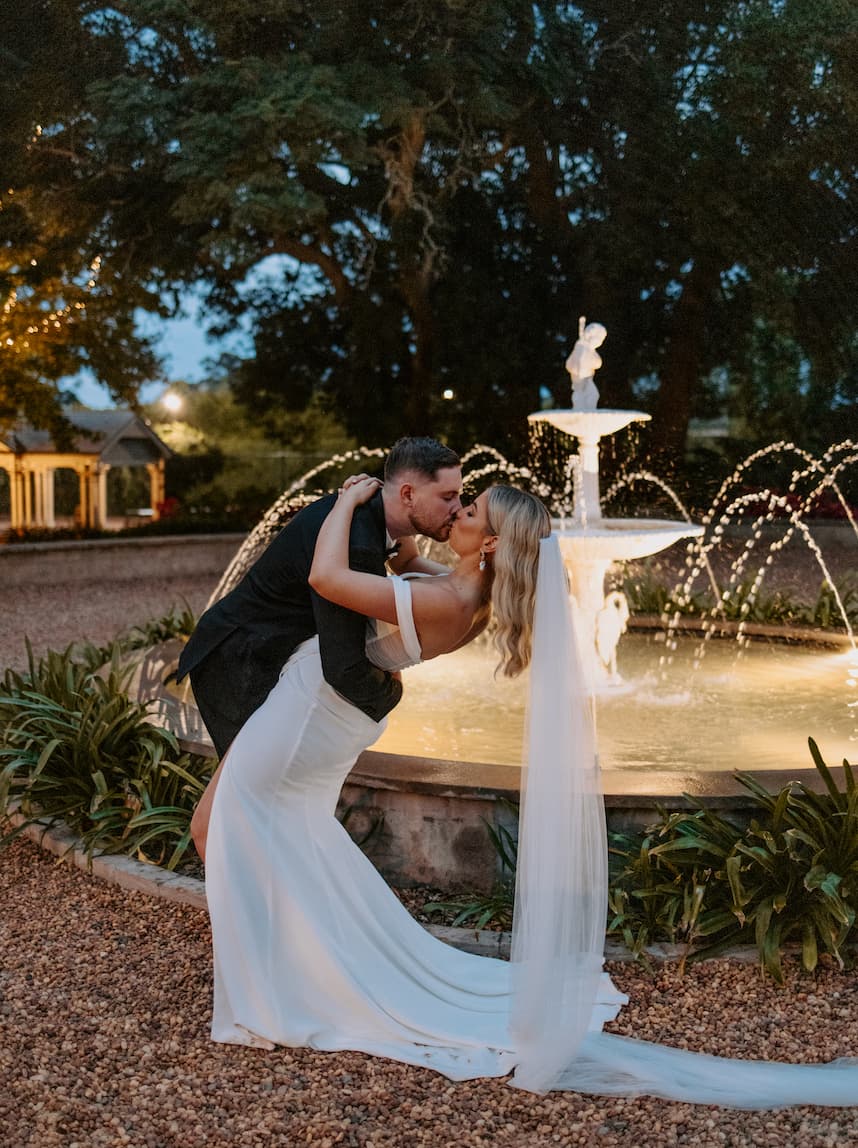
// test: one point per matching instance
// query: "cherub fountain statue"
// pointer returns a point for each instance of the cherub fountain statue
(591, 543)
(582, 364)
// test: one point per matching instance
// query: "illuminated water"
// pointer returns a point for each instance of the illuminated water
(752, 713)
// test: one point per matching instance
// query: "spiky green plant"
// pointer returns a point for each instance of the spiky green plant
(825, 612)
(176, 623)
(791, 875)
(74, 747)
(667, 888)
(795, 874)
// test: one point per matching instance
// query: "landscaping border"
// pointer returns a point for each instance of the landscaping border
(153, 881)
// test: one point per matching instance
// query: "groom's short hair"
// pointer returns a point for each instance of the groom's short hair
(425, 455)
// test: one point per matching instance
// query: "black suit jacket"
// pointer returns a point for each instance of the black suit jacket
(241, 643)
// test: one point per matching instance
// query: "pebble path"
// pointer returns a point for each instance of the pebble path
(52, 617)
(105, 1004)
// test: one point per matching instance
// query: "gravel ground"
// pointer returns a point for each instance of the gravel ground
(54, 616)
(105, 1002)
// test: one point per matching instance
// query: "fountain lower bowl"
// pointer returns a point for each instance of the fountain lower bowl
(703, 707)
(620, 539)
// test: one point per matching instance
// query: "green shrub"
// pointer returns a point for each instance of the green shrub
(665, 885)
(647, 593)
(75, 747)
(791, 875)
(699, 880)
(176, 623)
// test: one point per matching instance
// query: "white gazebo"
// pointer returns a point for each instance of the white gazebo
(101, 440)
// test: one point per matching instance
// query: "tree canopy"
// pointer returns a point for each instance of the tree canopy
(418, 198)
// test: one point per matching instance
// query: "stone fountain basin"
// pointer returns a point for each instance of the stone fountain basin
(620, 539)
(687, 706)
(424, 809)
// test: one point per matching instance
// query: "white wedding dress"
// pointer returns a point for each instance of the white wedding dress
(312, 949)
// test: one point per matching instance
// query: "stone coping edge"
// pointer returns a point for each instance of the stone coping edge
(153, 881)
(805, 635)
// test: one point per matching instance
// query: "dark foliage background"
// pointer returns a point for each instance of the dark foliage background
(403, 199)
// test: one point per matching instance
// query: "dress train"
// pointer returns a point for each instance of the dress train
(312, 949)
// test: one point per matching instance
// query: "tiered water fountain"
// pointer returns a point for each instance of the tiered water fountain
(591, 543)
(758, 703)
(435, 776)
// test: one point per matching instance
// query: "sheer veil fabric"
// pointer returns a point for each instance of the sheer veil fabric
(561, 899)
(561, 906)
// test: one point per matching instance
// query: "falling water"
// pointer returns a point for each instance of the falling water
(809, 480)
(296, 495)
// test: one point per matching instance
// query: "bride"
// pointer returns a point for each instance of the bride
(311, 947)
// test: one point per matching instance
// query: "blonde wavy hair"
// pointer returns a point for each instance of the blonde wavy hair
(520, 521)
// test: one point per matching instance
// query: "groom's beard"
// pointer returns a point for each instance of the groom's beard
(437, 533)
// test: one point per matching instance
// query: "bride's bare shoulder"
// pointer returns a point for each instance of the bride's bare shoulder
(443, 612)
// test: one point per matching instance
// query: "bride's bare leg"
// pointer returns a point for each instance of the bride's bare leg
(203, 811)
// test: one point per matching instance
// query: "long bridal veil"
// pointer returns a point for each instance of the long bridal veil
(561, 898)
(561, 905)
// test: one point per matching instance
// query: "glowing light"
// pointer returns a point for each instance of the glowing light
(448, 393)
(172, 402)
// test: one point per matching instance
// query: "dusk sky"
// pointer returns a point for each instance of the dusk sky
(184, 347)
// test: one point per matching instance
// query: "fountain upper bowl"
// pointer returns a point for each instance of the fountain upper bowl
(589, 426)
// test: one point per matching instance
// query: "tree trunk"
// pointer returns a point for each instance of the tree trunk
(405, 201)
(418, 405)
(680, 374)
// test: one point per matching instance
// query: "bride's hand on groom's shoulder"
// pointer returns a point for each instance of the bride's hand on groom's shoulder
(358, 488)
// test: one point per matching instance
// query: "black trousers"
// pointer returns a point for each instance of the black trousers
(216, 700)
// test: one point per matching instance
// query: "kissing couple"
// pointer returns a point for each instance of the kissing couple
(295, 671)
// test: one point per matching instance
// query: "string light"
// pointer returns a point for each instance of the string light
(52, 320)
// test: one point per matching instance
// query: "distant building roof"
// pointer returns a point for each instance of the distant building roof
(118, 437)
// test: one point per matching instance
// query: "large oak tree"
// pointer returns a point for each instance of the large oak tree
(418, 197)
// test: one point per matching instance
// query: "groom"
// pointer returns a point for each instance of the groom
(241, 643)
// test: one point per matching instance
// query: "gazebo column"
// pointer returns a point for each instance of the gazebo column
(83, 496)
(156, 486)
(39, 496)
(100, 502)
(27, 482)
(92, 496)
(16, 496)
(48, 476)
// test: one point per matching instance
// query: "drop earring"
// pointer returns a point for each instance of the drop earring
(482, 560)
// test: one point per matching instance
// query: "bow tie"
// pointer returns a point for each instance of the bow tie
(391, 551)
